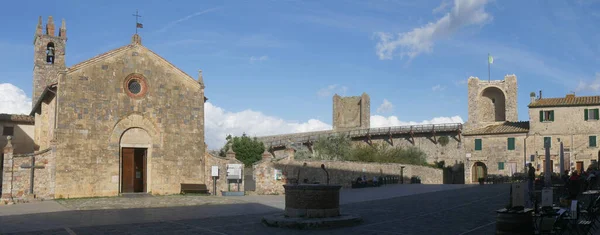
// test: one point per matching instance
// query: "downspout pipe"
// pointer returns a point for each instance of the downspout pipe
(525, 153)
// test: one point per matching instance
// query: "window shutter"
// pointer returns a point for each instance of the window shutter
(477, 144)
(585, 114)
(551, 115)
(511, 143)
(548, 142)
(541, 116)
(596, 111)
(592, 141)
(500, 165)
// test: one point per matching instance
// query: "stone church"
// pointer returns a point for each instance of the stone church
(124, 121)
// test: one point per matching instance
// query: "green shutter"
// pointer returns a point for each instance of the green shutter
(592, 141)
(551, 115)
(585, 114)
(500, 165)
(541, 116)
(596, 111)
(548, 142)
(511, 143)
(477, 144)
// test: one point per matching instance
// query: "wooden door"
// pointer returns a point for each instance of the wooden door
(579, 167)
(139, 183)
(127, 180)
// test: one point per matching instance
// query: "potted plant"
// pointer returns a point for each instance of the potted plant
(481, 180)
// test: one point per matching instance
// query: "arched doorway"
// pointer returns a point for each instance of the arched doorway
(479, 170)
(492, 104)
(135, 147)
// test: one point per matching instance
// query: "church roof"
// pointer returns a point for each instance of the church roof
(569, 100)
(38, 102)
(20, 118)
(502, 128)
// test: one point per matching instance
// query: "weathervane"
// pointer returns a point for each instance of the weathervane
(137, 24)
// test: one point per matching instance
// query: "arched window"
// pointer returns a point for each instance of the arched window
(50, 53)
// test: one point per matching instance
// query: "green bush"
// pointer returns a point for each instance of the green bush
(341, 148)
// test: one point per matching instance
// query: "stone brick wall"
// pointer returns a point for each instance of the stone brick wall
(22, 139)
(351, 112)
(479, 106)
(340, 172)
(222, 182)
(95, 110)
(44, 73)
(452, 153)
(494, 149)
(16, 179)
(45, 121)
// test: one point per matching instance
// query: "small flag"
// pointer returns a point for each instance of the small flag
(490, 59)
(139, 25)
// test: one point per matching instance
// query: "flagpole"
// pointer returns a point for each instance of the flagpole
(488, 67)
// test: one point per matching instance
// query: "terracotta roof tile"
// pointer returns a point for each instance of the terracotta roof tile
(503, 128)
(569, 100)
(17, 118)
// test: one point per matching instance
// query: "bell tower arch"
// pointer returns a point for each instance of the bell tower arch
(492, 101)
(49, 55)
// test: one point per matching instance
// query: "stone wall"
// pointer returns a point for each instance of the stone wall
(22, 139)
(96, 109)
(351, 112)
(16, 178)
(452, 153)
(494, 149)
(340, 172)
(479, 105)
(222, 182)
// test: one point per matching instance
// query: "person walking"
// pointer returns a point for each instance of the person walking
(530, 180)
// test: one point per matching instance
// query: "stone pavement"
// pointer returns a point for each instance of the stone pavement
(470, 210)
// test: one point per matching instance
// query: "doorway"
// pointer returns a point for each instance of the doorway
(579, 167)
(479, 170)
(133, 178)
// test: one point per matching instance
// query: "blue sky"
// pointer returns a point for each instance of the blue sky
(272, 66)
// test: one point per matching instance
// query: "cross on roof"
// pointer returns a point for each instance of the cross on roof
(137, 24)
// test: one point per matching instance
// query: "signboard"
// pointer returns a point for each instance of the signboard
(277, 174)
(234, 171)
(518, 194)
(214, 171)
(547, 197)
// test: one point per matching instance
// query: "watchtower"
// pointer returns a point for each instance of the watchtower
(351, 112)
(492, 101)
(49, 55)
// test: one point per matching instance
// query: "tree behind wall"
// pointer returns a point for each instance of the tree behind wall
(247, 150)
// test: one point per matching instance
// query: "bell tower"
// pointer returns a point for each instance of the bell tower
(49, 55)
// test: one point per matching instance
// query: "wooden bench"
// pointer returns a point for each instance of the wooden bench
(194, 188)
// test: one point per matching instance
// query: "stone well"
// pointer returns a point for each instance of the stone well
(312, 200)
(310, 206)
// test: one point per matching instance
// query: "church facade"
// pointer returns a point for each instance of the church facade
(125, 121)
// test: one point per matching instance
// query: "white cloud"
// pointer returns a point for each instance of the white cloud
(381, 121)
(13, 100)
(332, 89)
(590, 85)
(219, 123)
(421, 40)
(258, 58)
(441, 8)
(173, 23)
(438, 87)
(385, 107)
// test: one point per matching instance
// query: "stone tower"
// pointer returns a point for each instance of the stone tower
(351, 112)
(49, 55)
(492, 101)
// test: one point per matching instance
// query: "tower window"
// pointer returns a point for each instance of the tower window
(50, 53)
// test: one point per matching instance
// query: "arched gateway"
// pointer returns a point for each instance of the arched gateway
(479, 170)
